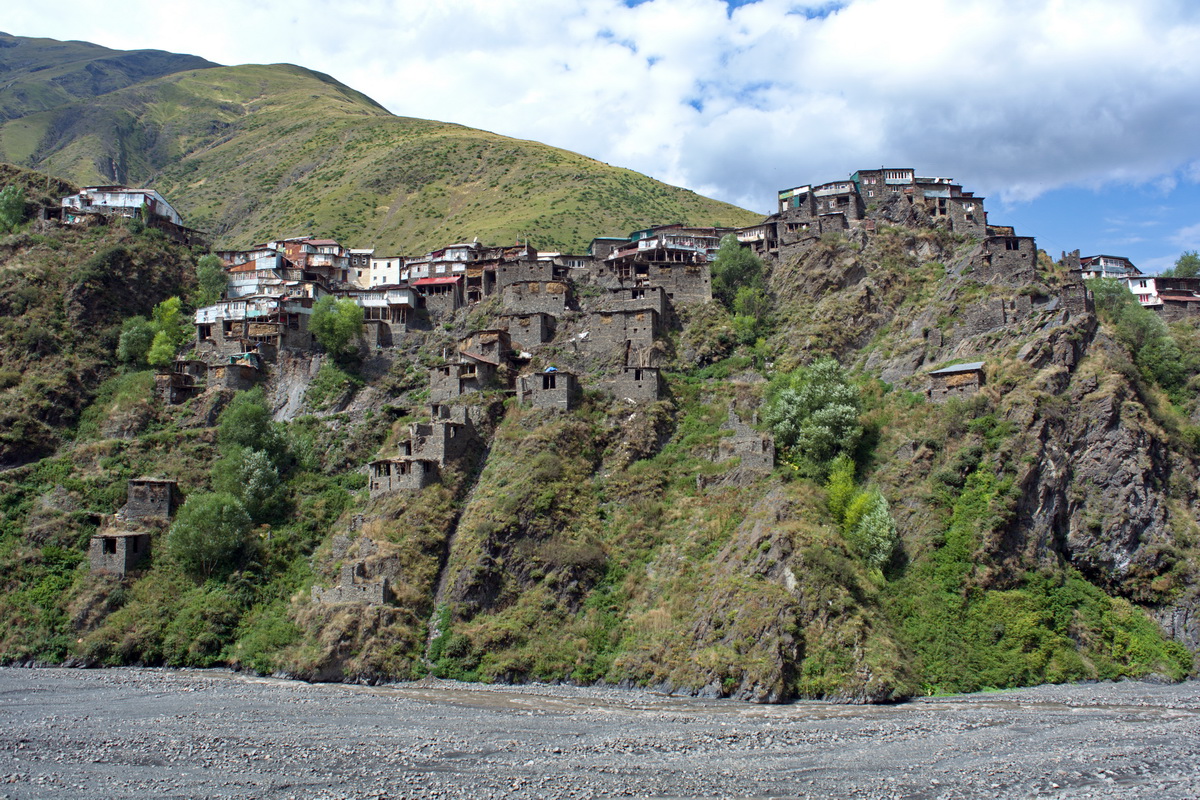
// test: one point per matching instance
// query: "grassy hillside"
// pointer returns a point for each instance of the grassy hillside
(253, 152)
(1044, 529)
(39, 74)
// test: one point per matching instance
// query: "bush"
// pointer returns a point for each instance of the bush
(814, 415)
(251, 477)
(210, 536)
(734, 268)
(246, 423)
(12, 208)
(337, 324)
(210, 281)
(137, 335)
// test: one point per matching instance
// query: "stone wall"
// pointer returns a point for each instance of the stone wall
(755, 448)
(549, 390)
(118, 552)
(642, 384)
(400, 475)
(529, 330)
(532, 297)
(352, 587)
(150, 498)
(607, 330)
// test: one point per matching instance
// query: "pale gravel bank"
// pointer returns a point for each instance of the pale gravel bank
(138, 733)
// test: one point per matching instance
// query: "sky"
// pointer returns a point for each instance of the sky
(1078, 120)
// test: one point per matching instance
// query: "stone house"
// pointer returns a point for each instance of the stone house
(243, 324)
(118, 552)
(185, 379)
(639, 384)
(958, 380)
(533, 297)
(442, 295)
(632, 329)
(1012, 259)
(353, 587)
(150, 498)
(493, 346)
(527, 331)
(401, 474)
(551, 388)
(456, 378)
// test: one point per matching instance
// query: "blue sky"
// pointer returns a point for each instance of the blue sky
(1076, 118)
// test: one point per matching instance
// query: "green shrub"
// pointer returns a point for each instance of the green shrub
(211, 535)
(814, 414)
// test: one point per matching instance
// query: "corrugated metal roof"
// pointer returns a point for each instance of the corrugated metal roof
(971, 367)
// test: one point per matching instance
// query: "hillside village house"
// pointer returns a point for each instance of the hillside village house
(1107, 267)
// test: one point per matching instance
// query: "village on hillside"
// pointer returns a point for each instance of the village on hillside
(608, 307)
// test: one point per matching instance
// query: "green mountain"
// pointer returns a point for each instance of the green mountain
(40, 74)
(1040, 529)
(254, 152)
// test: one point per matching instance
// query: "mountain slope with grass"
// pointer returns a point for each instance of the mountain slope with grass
(251, 153)
(1044, 529)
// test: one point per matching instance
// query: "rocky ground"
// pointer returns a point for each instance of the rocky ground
(130, 733)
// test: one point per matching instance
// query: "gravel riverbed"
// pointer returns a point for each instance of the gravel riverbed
(142, 733)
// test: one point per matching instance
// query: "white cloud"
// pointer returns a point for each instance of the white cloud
(1017, 97)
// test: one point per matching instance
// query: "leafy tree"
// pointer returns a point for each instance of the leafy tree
(12, 208)
(752, 309)
(162, 351)
(211, 535)
(735, 267)
(337, 324)
(246, 424)
(1154, 350)
(814, 415)
(840, 489)
(252, 477)
(211, 281)
(168, 318)
(137, 335)
(873, 532)
(1186, 266)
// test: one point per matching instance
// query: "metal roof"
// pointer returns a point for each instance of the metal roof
(971, 367)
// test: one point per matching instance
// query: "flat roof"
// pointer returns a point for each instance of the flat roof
(971, 367)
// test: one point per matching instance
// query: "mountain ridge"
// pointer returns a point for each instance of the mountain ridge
(243, 152)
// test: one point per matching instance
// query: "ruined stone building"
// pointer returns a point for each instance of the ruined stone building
(550, 388)
(755, 448)
(449, 439)
(150, 498)
(958, 380)
(118, 552)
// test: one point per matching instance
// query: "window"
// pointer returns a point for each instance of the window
(110, 547)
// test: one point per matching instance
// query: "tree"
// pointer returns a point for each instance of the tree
(12, 208)
(337, 324)
(211, 535)
(735, 267)
(162, 351)
(210, 281)
(840, 489)
(137, 335)
(1186, 266)
(168, 319)
(246, 424)
(252, 477)
(873, 533)
(814, 415)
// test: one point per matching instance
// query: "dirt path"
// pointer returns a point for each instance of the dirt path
(146, 733)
